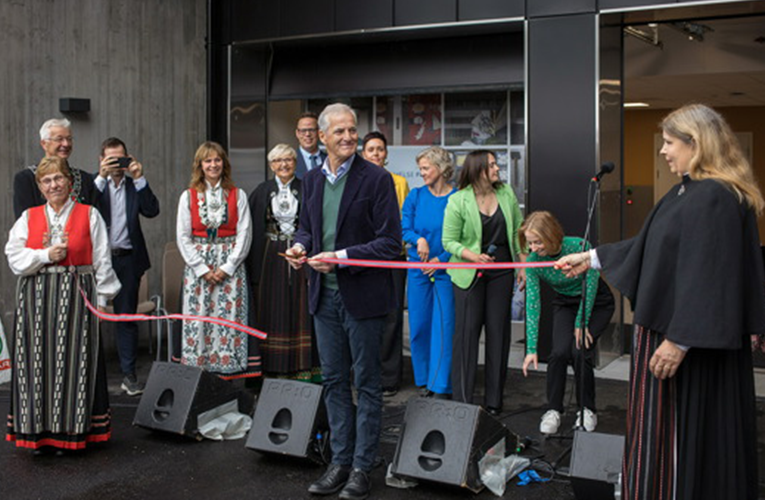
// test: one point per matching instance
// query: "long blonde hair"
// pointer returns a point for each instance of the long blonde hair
(717, 153)
(198, 176)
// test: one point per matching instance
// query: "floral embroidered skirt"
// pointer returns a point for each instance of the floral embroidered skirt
(216, 348)
(59, 393)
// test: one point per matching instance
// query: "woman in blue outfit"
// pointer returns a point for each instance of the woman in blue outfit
(431, 299)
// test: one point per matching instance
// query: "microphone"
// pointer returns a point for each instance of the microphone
(490, 252)
(605, 168)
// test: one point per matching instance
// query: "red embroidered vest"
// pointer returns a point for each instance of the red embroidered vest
(79, 248)
(228, 228)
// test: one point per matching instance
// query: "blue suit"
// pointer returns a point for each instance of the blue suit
(350, 320)
(431, 299)
(131, 265)
(301, 168)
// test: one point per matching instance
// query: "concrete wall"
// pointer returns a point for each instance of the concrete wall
(142, 65)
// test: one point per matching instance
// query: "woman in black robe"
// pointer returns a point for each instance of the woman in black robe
(280, 292)
(694, 276)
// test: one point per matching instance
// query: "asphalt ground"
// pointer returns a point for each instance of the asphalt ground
(138, 463)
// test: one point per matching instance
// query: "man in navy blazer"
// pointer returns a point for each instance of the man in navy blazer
(122, 199)
(349, 211)
(309, 156)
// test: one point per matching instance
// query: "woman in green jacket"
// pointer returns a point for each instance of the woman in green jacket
(481, 225)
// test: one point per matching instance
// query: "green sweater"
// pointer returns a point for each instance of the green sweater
(330, 208)
(562, 285)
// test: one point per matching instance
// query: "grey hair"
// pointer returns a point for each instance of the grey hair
(53, 122)
(337, 108)
(281, 150)
(440, 158)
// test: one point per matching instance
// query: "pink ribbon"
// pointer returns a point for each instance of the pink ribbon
(188, 317)
(392, 264)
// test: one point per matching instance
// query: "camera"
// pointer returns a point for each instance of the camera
(122, 162)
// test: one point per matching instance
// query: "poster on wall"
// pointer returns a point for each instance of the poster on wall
(422, 120)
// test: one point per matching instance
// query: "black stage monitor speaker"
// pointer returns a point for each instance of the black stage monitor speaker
(596, 461)
(176, 394)
(290, 419)
(443, 441)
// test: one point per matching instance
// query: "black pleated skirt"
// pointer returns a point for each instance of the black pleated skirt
(691, 437)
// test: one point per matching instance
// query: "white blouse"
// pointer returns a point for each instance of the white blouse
(188, 248)
(28, 261)
(284, 206)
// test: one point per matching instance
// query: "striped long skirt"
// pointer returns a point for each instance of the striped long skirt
(693, 436)
(59, 391)
(282, 311)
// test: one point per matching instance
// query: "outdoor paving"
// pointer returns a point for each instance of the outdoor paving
(138, 463)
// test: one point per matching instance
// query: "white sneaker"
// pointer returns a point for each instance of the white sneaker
(590, 420)
(550, 422)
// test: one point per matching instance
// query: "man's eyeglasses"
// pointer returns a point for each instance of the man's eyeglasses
(306, 131)
(59, 140)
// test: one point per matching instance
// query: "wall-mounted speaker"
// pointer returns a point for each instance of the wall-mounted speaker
(73, 105)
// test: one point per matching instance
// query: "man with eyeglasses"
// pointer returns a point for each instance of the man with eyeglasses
(309, 155)
(55, 140)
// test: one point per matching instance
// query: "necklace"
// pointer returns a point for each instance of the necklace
(212, 209)
(56, 233)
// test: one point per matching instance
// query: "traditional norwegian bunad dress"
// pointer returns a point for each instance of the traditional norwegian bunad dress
(281, 292)
(694, 276)
(59, 391)
(214, 231)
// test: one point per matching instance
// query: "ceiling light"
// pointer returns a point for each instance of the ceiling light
(636, 105)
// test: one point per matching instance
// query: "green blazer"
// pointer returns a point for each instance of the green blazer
(463, 228)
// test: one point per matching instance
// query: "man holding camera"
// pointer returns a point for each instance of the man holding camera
(124, 194)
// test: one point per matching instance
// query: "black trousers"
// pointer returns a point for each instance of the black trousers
(485, 304)
(393, 337)
(564, 351)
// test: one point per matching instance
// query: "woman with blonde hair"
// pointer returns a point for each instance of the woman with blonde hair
(60, 251)
(431, 299)
(694, 276)
(577, 323)
(214, 232)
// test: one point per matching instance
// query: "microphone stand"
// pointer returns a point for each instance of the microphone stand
(592, 201)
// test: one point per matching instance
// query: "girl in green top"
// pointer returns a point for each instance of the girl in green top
(543, 235)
